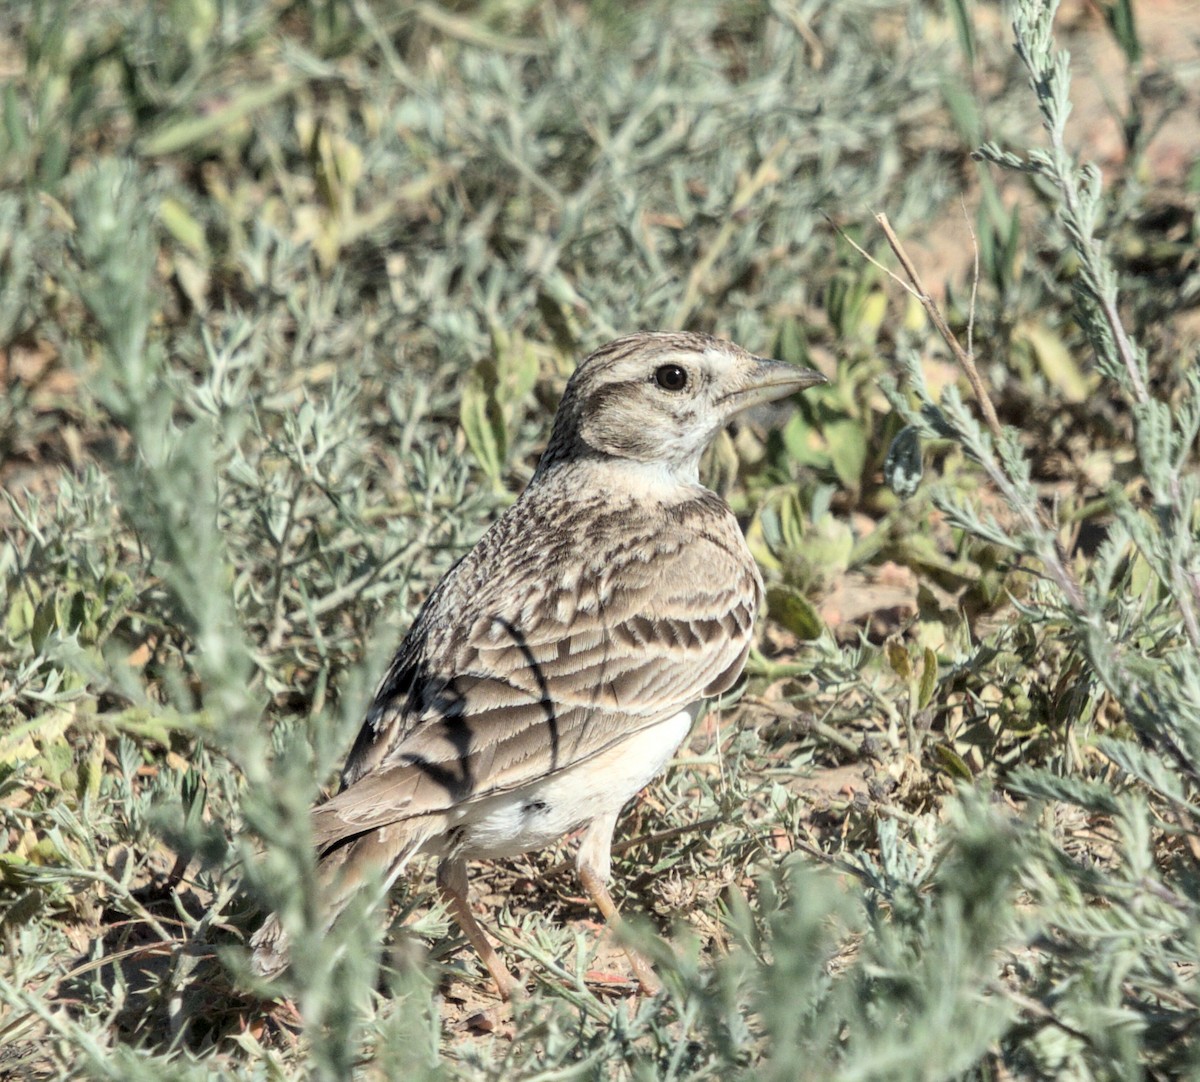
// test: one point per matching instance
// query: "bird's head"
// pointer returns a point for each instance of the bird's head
(660, 398)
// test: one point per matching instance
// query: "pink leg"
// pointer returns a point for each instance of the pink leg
(452, 882)
(594, 865)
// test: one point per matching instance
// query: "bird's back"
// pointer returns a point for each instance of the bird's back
(589, 612)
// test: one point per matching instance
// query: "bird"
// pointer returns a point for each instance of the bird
(556, 668)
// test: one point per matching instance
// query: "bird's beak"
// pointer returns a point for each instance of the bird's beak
(768, 380)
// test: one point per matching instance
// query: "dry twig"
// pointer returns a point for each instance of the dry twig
(965, 358)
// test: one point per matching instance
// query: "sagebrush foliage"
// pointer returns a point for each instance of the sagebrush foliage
(289, 292)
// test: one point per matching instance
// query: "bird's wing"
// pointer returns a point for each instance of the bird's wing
(539, 679)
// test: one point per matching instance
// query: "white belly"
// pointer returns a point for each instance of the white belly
(538, 814)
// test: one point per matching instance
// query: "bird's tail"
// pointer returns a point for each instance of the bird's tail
(342, 871)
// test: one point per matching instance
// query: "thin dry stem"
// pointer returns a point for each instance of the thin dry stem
(965, 359)
(974, 279)
(870, 258)
(1052, 556)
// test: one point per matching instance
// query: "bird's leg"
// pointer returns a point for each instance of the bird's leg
(452, 882)
(594, 865)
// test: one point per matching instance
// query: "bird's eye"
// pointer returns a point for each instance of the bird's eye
(670, 377)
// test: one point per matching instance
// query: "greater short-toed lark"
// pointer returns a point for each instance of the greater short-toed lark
(556, 668)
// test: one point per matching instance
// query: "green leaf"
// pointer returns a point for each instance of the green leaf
(791, 344)
(45, 620)
(847, 449)
(804, 443)
(1055, 361)
(791, 609)
(1121, 22)
(517, 368)
(15, 129)
(929, 675)
(482, 420)
(21, 614)
(951, 763)
(201, 125)
(963, 27)
(898, 659)
(182, 225)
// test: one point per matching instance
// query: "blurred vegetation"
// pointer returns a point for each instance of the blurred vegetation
(288, 291)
